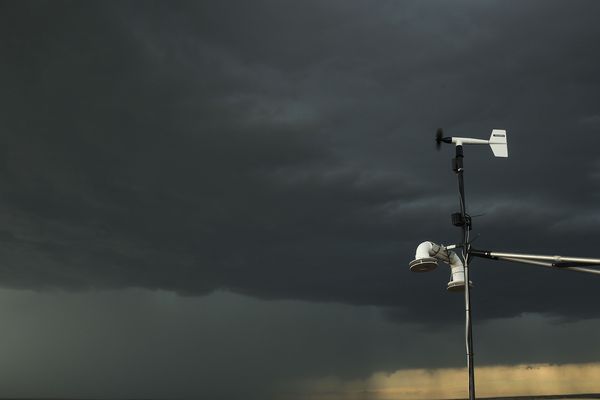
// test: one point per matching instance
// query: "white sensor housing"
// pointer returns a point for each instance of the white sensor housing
(427, 256)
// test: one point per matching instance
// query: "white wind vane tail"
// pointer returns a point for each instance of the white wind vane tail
(498, 143)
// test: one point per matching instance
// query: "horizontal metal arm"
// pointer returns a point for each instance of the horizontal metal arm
(558, 262)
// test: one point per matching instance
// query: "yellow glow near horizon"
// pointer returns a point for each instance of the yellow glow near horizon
(447, 383)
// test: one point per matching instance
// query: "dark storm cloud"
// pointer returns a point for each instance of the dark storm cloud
(284, 150)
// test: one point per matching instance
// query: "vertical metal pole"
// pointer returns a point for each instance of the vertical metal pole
(458, 168)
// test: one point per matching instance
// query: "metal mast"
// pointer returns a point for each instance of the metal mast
(428, 253)
(465, 222)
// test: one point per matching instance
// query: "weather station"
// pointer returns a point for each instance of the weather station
(458, 256)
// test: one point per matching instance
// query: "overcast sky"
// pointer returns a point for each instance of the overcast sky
(220, 199)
